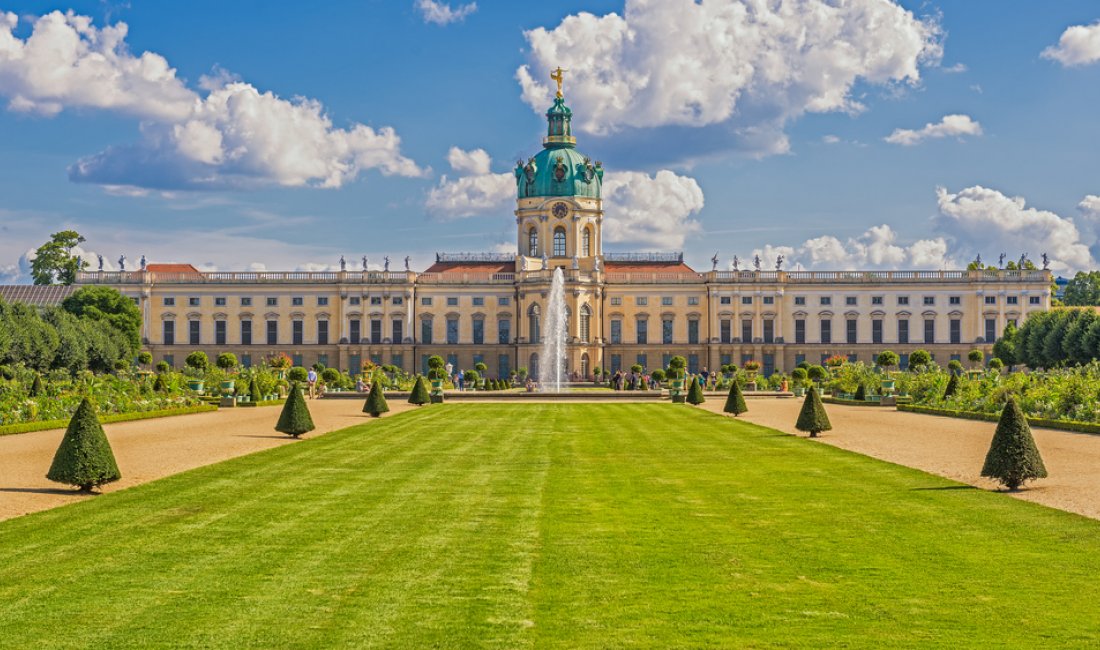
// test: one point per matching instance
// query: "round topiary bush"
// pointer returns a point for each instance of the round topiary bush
(331, 376)
(226, 361)
(298, 374)
(996, 364)
(145, 358)
(163, 367)
(198, 360)
(919, 359)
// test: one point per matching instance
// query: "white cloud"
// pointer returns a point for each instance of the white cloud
(950, 125)
(441, 13)
(1079, 45)
(981, 220)
(654, 211)
(233, 137)
(478, 191)
(958, 68)
(877, 248)
(743, 66)
(830, 139)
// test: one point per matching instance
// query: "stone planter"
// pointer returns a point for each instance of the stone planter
(228, 388)
(888, 385)
(195, 385)
(800, 392)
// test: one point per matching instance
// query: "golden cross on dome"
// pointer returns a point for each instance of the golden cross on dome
(556, 75)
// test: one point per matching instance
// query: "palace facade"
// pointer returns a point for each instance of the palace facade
(623, 308)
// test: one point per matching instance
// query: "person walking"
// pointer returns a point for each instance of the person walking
(311, 377)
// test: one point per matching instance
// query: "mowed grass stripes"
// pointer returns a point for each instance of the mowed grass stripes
(550, 526)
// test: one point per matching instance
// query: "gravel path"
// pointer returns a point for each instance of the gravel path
(949, 447)
(152, 449)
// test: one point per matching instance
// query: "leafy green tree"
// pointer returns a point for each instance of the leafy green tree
(54, 261)
(975, 356)
(376, 402)
(198, 360)
(227, 361)
(419, 394)
(919, 358)
(27, 338)
(996, 364)
(887, 359)
(84, 458)
(1013, 458)
(695, 392)
(1083, 290)
(1005, 347)
(108, 305)
(163, 367)
(331, 376)
(955, 366)
(145, 358)
(295, 418)
(735, 401)
(813, 418)
(298, 374)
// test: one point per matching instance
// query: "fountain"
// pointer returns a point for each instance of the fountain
(556, 329)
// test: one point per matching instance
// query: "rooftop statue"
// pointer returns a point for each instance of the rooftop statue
(556, 75)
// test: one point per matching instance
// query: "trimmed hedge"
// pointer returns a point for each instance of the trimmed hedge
(266, 402)
(850, 402)
(1063, 425)
(29, 427)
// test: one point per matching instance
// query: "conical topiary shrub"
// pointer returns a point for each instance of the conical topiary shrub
(376, 402)
(295, 419)
(735, 402)
(419, 394)
(813, 417)
(1013, 457)
(84, 458)
(952, 386)
(254, 391)
(861, 393)
(695, 392)
(160, 384)
(36, 387)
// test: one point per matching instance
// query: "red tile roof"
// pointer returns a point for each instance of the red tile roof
(472, 267)
(171, 268)
(648, 267)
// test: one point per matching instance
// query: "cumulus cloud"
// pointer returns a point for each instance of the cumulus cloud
(654, 211)
(442, 13)
(951, 125)
(877, 248)
(735, 71)
(1079, 45)
(476, 191)
(979, 219)
(233, 137)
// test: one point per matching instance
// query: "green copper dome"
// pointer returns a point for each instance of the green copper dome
(559, 169)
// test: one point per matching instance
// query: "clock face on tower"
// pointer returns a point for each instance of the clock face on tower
(560, 210)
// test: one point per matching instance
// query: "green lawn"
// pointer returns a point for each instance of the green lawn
(550, 526)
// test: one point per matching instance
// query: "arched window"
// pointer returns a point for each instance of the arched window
(534, 363)
(586, 317)
(586, 243)
(533, 323)
(559, 242)
(533, 242)
(584, 365)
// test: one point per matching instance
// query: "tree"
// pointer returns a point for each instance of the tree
(813, 418)
(419, 394)
(817, 373)
(1005, 347)
(54, 262)
(1083, 290)
(919, 358)
(197, 360)
(84, 458)
(298, 373)
(955, 366)
(254, 393)
(36, 386)
(108, 305)
(975, 356)
(861, 393)
(887, 359)
(996, 364)
(695, 392)
(163, 367)
(735, 401)
(145, 358)
(952, 386)
(295, 419)
(376, 402)
(227, 361)
(1013, 457)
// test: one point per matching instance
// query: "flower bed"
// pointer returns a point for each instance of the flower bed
(27, 427)
(1064, 425)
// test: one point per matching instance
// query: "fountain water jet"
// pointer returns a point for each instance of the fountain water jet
(552, 363)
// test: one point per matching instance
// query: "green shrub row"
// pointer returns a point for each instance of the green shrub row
(268, 402)
(849, 402)
(28, 427)
(1063, 425)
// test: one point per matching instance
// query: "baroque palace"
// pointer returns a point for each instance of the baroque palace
(623, 308)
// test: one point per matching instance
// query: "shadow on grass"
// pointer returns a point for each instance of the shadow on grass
(45, 491)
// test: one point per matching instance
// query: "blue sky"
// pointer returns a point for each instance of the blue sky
(770, 171)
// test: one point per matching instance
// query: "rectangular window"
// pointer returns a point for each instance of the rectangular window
(852, 330)
(193, 302)
(693, 363)
(954, 300)
(851, 301)
(666, 331)
(746, 330)
(990, 330)
(826, 330)
(322, 332)
(397, 327)
(800, 300)
(246, 361)
(504, 331)
(769, 331)
(452, 331)
(991, 300)
(1034, 300)
(1012, 300)
(356, 332)
(322, 301)
(219, 302)
(876, 300)
(929, 301)
(769, 300)
(746, 300)
(246, 332)
(246, 302)
(929, 330)
(693, 332)
(426, 331)
(826, 301)
(693, 300)
(903, 331)
(169, 302)
(641, 301)
(642, 361)
(375, 331)
(666, 301)
(170, 360)
(616, 331)
(725, 330)
(219, 332)
(272, 302)
(272, 332)
(297, 332)
(169, 332)
(193, 330)
(725, 300)
(876, 330)
(479, 301)
(504, 366)
(398, 300)
(296, 359)
(452, 302)
(297, 301)
(478, 331)
(504, 301)
(800, 330)
(903, 300)
(376, 300)
(426, 302)
(956, 330)
(354, 300)
(616, 300)
(616, 363)
(642, 326)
